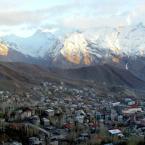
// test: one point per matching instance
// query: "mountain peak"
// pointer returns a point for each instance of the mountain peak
(75, 49)
(40, 32)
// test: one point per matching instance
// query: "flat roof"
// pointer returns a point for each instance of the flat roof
(114, 131)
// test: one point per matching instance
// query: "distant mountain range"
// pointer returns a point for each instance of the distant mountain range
(122, 49)
(81, 47)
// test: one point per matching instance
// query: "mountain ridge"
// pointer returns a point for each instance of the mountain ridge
(18, 74)
(100, 43)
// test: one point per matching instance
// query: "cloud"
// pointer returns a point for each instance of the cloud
(73, 14)
(17, 18)
(56, 13)
(11, 4)
(80, 22)
(94, 13)
(137, 14)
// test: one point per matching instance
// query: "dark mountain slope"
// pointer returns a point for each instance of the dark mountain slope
(103, 75)
(22, 75)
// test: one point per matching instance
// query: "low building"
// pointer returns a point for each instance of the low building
(45, 121)
(116, 133)
(26, 113)
(35, 120)
(49, 112)
(79, 119)
(34, 141)
(131, 110)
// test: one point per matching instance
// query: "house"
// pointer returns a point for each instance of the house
(49, 112)
(21, 114)
(143, 121)
(34, 141)
(115, 104)
(45, 121)
(69, 125)
(16, 143)
(54, 142)
(35, 120)
(59, 134)
(80, 113)
(113, 114)
(98, 115)
(79, 118)
(115, 132)
(129, 101)
(120, 118)
(131, 110)
(26, 113)
(12, 143)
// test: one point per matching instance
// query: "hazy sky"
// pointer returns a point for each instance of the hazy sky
(23, 17)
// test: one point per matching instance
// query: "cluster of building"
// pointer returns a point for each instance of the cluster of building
(58, 114)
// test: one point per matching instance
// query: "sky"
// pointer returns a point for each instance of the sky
(24, 17)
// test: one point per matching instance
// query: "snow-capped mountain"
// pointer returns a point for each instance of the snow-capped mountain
(105, 44)
(37, 45)
(91, 46)
(128, 40)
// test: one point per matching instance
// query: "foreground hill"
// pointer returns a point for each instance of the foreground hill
(103, 75)
(22, 75)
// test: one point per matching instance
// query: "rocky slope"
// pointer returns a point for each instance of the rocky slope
(100, 75)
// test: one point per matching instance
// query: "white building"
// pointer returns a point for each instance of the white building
(131, 110)
(49, 112)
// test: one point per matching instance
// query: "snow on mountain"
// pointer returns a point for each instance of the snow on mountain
(83, 47)
(37, 45)
(128, 40)
(75, 49)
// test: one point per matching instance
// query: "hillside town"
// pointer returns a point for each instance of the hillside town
(58, 114)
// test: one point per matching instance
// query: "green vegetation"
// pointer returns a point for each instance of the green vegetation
(134, 140)
(1, 115)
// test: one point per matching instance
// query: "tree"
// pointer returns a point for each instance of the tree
(134, 140)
